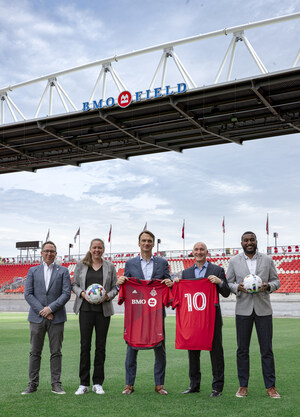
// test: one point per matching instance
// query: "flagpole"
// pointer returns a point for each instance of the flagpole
(79, 247)
(183, 236)
(109, 240)
(223, 224)
(267, 230)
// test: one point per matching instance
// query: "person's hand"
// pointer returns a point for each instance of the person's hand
(242, 288)
(83, 295)
(214, 279)
(176, 279)
(45, 312)
(264, 287)
(105, 298)
(168, 282)
(50, 316)
(121, 280)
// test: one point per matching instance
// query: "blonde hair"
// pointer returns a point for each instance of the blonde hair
(87, 260)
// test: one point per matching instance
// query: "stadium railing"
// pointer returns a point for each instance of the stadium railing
(12, 276)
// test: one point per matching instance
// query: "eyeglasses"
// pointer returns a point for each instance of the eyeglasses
(49, 251)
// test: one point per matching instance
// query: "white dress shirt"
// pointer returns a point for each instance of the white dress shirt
(251, 263)
(47, 273)
(147, 268)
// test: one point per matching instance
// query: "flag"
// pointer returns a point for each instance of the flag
(109, 234)
(77, 234)
(182, 232)
(267, 224)
(145, 227)
(223, 224)
(48, 235)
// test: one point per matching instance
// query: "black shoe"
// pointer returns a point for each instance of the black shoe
(57, 389)
(215, 393)
(30, 389)
(191, 390)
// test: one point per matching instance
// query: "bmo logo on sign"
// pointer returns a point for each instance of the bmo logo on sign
(124, 99)
(152, 302)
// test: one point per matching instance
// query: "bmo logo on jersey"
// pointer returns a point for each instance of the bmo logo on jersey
(198, 304)
(140, 301)
(152, 302)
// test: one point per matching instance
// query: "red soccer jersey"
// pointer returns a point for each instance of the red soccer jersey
(195, 313)
(144, 301)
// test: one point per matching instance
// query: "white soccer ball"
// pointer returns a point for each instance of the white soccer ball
(95, 293)
(252, 283)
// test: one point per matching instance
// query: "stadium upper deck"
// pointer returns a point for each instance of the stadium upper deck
(156, 118)
(233, 112)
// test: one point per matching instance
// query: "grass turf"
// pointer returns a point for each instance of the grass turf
(14, 351)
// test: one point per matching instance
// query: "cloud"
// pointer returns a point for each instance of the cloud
(232, 188)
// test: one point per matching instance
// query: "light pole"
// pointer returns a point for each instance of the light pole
(70, 246)
(275, 235)
(158, 242)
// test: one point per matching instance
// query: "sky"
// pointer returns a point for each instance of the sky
(201, 186)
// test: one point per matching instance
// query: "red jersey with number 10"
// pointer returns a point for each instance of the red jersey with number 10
(195, 302)
(143, 320)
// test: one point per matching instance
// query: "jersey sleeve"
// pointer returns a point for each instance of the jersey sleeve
(167, 297)
(175, 290)
(216, 298)
(122, 293)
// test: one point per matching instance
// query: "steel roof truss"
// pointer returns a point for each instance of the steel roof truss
(267, 102)
(111, 120)
(192, 119)
(51, 131)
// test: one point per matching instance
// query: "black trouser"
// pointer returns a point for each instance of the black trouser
(216, 358)
(264, 329)
(88, 320)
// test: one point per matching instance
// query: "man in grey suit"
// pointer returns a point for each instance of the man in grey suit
(148, 267)
(47, 290)
(253, 308)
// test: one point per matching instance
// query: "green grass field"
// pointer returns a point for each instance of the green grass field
(14, 351)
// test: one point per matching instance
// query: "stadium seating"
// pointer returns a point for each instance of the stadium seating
(287, 266)
(288, 269)
(11, 271)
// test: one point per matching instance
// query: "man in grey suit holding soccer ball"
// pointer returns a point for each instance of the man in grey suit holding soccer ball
(253, 307)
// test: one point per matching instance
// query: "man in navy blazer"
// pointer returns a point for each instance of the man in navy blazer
(253, 308)
(47, 290)
(149, 267)
(215, 274)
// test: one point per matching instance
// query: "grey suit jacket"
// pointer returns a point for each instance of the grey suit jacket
(160, 268)
(260, 302)
(59, 292)
(109, 283)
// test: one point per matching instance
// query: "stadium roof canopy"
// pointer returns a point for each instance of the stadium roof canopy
(233, 112)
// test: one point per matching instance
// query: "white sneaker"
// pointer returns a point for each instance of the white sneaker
(82, 390)
(98, 389)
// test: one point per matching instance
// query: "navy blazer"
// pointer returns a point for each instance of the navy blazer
(57, 295)
(212, 269)
(161, 270)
